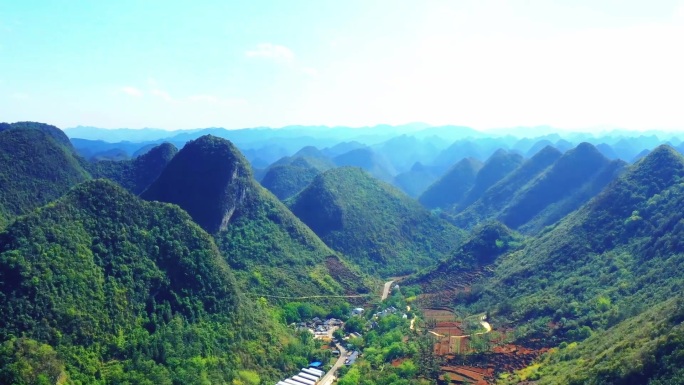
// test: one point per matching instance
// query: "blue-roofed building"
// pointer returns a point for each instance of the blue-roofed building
(316, 364)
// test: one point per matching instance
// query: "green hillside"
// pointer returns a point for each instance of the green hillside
(615, 258)
(38, 165)
(137, 174)
(101, 287)
(645, 349)
(272, 251)
(481, 248)
(373, 223)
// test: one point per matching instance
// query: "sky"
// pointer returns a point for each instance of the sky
(486, 64)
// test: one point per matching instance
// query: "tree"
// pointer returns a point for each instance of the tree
(24, 361)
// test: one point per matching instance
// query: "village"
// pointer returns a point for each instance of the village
(339, 341)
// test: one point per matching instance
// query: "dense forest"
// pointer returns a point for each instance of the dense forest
(102, 287)
(196, 259)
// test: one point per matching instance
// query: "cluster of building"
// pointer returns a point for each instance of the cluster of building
(386, 312)
(307, 376)
(319, 328)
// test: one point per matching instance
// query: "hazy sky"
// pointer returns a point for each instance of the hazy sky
(185, 64)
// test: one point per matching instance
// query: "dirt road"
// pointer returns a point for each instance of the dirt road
(385, 290)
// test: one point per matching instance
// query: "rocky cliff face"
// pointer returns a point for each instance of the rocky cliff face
(209, 178)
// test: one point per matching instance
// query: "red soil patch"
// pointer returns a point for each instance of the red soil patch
(467, 366)
(398, 362)
(467, 375)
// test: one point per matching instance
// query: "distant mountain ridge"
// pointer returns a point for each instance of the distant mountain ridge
(529, 195)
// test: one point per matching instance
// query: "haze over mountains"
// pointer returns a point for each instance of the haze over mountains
(183, 259)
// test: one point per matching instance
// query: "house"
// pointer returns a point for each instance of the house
(357, 310)
(351, 358)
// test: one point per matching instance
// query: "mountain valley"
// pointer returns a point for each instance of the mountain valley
(432, 255)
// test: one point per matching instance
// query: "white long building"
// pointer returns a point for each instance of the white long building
(303, 380)
(312, 371)
(307, 376)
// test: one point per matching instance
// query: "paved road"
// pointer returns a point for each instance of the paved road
(385, 290)
(330, 376)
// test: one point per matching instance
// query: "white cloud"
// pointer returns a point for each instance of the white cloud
(162, 94)
(275, 52)
(132, 91)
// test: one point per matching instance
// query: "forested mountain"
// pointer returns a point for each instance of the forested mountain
(614, 259)
(373, 223)
(290, 175)
(453, 186)
(38, 165)
(136, 174)
(101, 287)
(480, 249)
(272, 250)
(491, 204)
(543, 189)
(497, 166)
(286, 180)
(467, 180)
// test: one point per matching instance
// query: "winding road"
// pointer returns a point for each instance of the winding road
(330, 376)
(485, 324)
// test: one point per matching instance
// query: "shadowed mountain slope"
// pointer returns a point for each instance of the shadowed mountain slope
(415, 181)
(500, 164)
(453, 186)
(543, 189)
(499, 196)
(137, 174)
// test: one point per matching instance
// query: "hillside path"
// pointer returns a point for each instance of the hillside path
(485, 324)
(312, 296)
(385, 290)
